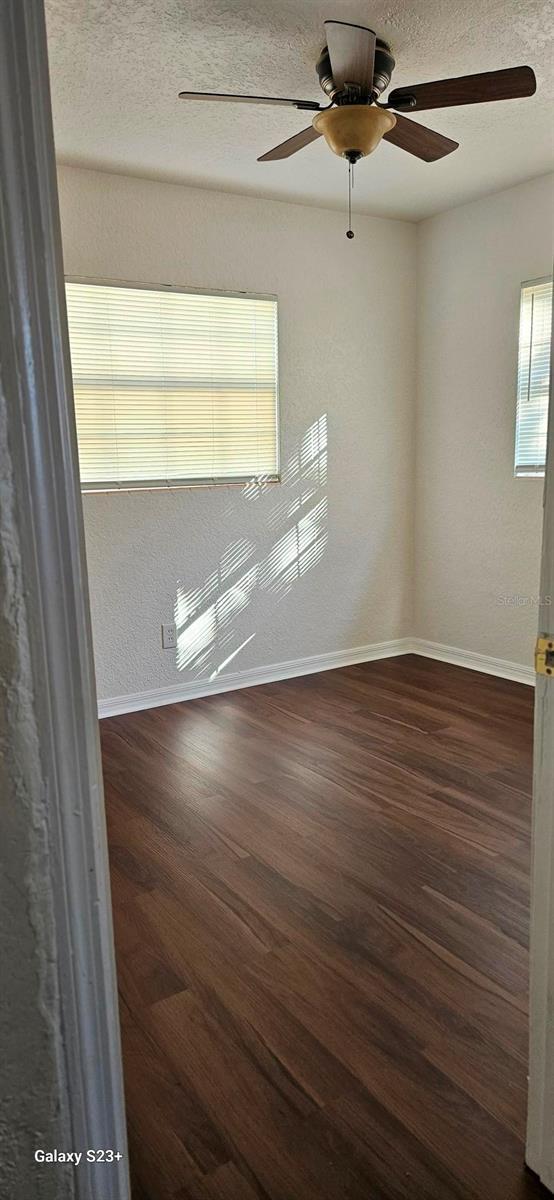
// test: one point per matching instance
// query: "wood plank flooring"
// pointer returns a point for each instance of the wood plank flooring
(320, 892)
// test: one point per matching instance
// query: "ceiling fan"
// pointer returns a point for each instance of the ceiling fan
(354, 68)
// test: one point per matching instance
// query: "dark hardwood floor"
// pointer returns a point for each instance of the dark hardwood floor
(320, 892)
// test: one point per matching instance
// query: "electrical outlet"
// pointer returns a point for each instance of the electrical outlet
(169, 637)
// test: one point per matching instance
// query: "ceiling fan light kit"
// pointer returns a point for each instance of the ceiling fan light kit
(354, 68)
(353, 130)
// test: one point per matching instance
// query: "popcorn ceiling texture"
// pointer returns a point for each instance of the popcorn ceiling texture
(321, 562)
(117, 69)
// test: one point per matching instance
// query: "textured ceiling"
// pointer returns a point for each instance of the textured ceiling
(117, 66)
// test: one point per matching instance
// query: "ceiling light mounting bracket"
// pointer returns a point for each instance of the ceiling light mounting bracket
(308, 105)
(403, 104)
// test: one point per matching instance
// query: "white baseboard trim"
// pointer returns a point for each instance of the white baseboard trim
(473, 661)
(193, 689)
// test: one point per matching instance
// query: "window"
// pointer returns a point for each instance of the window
(172, 387)
(533, 376)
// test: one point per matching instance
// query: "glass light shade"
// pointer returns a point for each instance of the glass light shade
(354, 128)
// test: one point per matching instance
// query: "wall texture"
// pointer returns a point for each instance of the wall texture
(325, 561)
(478, 529)
(33, 1087)
(321, 562)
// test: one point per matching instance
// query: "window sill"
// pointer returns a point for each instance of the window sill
(107, 489)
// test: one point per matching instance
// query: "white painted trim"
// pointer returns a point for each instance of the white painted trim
(540, 1111)
(43, 448)
(193, 689)
(473, 661)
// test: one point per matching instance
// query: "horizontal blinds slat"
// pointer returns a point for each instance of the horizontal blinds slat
(172, 385)
(533, 377)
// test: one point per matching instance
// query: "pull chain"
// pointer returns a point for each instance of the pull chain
(350, 231)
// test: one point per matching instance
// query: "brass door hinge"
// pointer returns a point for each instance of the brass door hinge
(544, 655)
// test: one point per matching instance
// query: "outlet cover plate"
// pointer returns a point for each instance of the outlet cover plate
(169, 636)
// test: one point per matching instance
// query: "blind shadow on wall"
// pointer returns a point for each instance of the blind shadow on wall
(207, 640)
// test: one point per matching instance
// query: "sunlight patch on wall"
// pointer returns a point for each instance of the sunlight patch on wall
(299, 549)
(205, 616)
(232, 559)
(305, 473)
(195, 640)
(230, 657)
(256, 487)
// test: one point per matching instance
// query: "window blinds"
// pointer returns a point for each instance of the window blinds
(533, 377)
(172, 387)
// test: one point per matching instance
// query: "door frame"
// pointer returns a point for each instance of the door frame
(540, 1111)
(42, 443)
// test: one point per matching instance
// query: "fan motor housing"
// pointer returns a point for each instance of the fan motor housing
(382, 71)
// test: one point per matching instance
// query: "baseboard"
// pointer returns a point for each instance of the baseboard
(194, 689)
(190, 690)
(473, 661)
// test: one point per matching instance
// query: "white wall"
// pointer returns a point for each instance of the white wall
(347, 359)
(348, 379)
(477, 544)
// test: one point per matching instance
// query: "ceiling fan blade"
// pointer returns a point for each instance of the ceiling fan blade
(292, 144)
(310, 105)
(468, 89)
(419, 140)
(351, 54)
